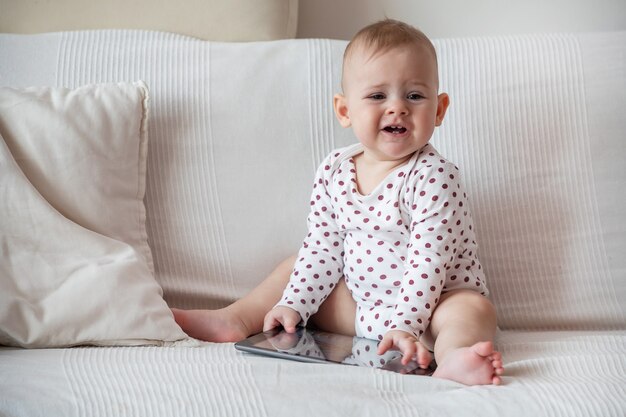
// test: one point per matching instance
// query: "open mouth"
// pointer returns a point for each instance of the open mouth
(395, 129)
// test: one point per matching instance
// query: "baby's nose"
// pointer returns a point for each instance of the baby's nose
(397, 107)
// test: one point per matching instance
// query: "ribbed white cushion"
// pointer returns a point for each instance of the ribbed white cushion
(544, 160)
(238, 130)
(572, 374)
(75, 266)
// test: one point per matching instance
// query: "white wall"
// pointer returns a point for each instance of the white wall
(340, 19)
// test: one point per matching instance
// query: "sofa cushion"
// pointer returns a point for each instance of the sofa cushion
(543, 158)
(75, 265)
(238, 130)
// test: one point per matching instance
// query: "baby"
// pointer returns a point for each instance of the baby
(391, 253)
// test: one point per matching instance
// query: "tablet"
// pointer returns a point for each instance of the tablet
(309, 345)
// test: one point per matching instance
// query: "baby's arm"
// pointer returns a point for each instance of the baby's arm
(319, 265)
(438, 212)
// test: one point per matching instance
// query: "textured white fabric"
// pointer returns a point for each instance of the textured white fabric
(218, 20)
(542, 154)
(541, 157)
(572, 374)
(75, 266)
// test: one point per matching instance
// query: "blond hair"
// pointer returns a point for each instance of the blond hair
(385, 35)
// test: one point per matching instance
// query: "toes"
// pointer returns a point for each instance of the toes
(496, 380)
(498, 368)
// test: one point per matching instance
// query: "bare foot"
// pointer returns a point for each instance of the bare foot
(211, 325)
(478, 364)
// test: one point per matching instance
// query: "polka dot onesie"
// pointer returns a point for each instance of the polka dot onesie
(398, 248)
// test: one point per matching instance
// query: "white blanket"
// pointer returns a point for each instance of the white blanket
(566, 374)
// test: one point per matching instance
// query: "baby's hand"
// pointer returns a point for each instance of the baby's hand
(408, 345)
(282, 316)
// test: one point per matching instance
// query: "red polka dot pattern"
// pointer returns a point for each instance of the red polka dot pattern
(398, 248)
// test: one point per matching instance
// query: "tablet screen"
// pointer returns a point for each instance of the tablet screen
(307, 345)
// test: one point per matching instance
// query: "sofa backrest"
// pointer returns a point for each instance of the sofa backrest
(536, 126)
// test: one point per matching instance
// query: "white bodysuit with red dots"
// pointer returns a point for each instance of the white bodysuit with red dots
(398, 248)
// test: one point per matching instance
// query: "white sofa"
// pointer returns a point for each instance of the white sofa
(536, 126)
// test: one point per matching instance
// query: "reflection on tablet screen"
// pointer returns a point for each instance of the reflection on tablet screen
(317, 346)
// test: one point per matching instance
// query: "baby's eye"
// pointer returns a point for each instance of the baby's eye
(415, 96)
(377, 96)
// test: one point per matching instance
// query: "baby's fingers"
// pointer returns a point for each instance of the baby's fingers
(281, 316)
(290, 322)
(408, 348)
(269, 322)
(385, 345)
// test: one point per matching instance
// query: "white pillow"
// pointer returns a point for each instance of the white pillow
(75, 266)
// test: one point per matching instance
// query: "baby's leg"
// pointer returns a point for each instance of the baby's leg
(242, 318)
(463, 326)
(337, 313)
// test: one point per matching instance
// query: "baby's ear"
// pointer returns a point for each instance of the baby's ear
(341, 110)
(443, 101)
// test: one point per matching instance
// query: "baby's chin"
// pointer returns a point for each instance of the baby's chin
(392, 154)
(398, 148)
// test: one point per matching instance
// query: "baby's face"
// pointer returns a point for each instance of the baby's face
(391, 100)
